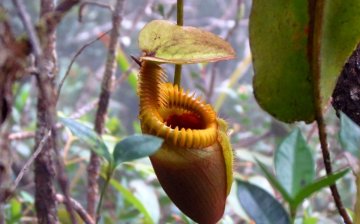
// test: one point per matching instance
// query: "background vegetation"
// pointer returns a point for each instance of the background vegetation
(134, 195)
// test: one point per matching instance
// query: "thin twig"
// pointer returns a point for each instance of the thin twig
(237, 20)
(99, 4)
(84, 109)
(78, 208)
(21, 135)
(28, 163)
(26, 20)
(73, 60)
(53, 18)
(316, 22)
(104, 97)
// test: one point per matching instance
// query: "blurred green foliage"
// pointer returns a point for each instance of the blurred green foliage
(134, 194)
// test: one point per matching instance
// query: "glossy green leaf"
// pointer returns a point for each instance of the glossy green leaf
(318, 185)
(294, 163)
(135, 147)
(166, 42)
(260, 205)
(130, 197)
(275, 183)
(89, 136)
(349, 135)
(279, 35)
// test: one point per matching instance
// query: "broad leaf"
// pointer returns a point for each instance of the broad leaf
(278, 42)
(318, 185)
(275, 183)
(135, 147)
(294, 163)
(260, 205)
(279, 37)
(163, 41)
(89, 136)
(130, 197)
(349, 135)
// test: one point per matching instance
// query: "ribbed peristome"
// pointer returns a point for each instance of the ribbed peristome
(159, 100)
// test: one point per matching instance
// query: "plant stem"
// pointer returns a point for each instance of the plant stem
(292, 214)
(180, 22)
(180, 12)
(177, 76)
(103, 190)
(314, 48)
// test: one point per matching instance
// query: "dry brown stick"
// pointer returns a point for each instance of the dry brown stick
(94, 165)
(45, 201)
(73, 60)
(28, 163)
(46, 107)
(78, 208)
(21, 135)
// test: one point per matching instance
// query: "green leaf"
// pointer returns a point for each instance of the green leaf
(318, 185)
(128, 196)
(89, 136)
(163, 41)
(278, 42)
(135, 147)
(294, 163)
(260, 205)
(310, 220)
(15, 209)
(349, 135)
(279, 37)
(275, 183)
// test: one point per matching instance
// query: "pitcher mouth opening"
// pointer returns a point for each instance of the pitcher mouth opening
(187, 120)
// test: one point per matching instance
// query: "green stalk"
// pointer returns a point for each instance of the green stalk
(109, 173)
(180, 22)
(293, 213)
